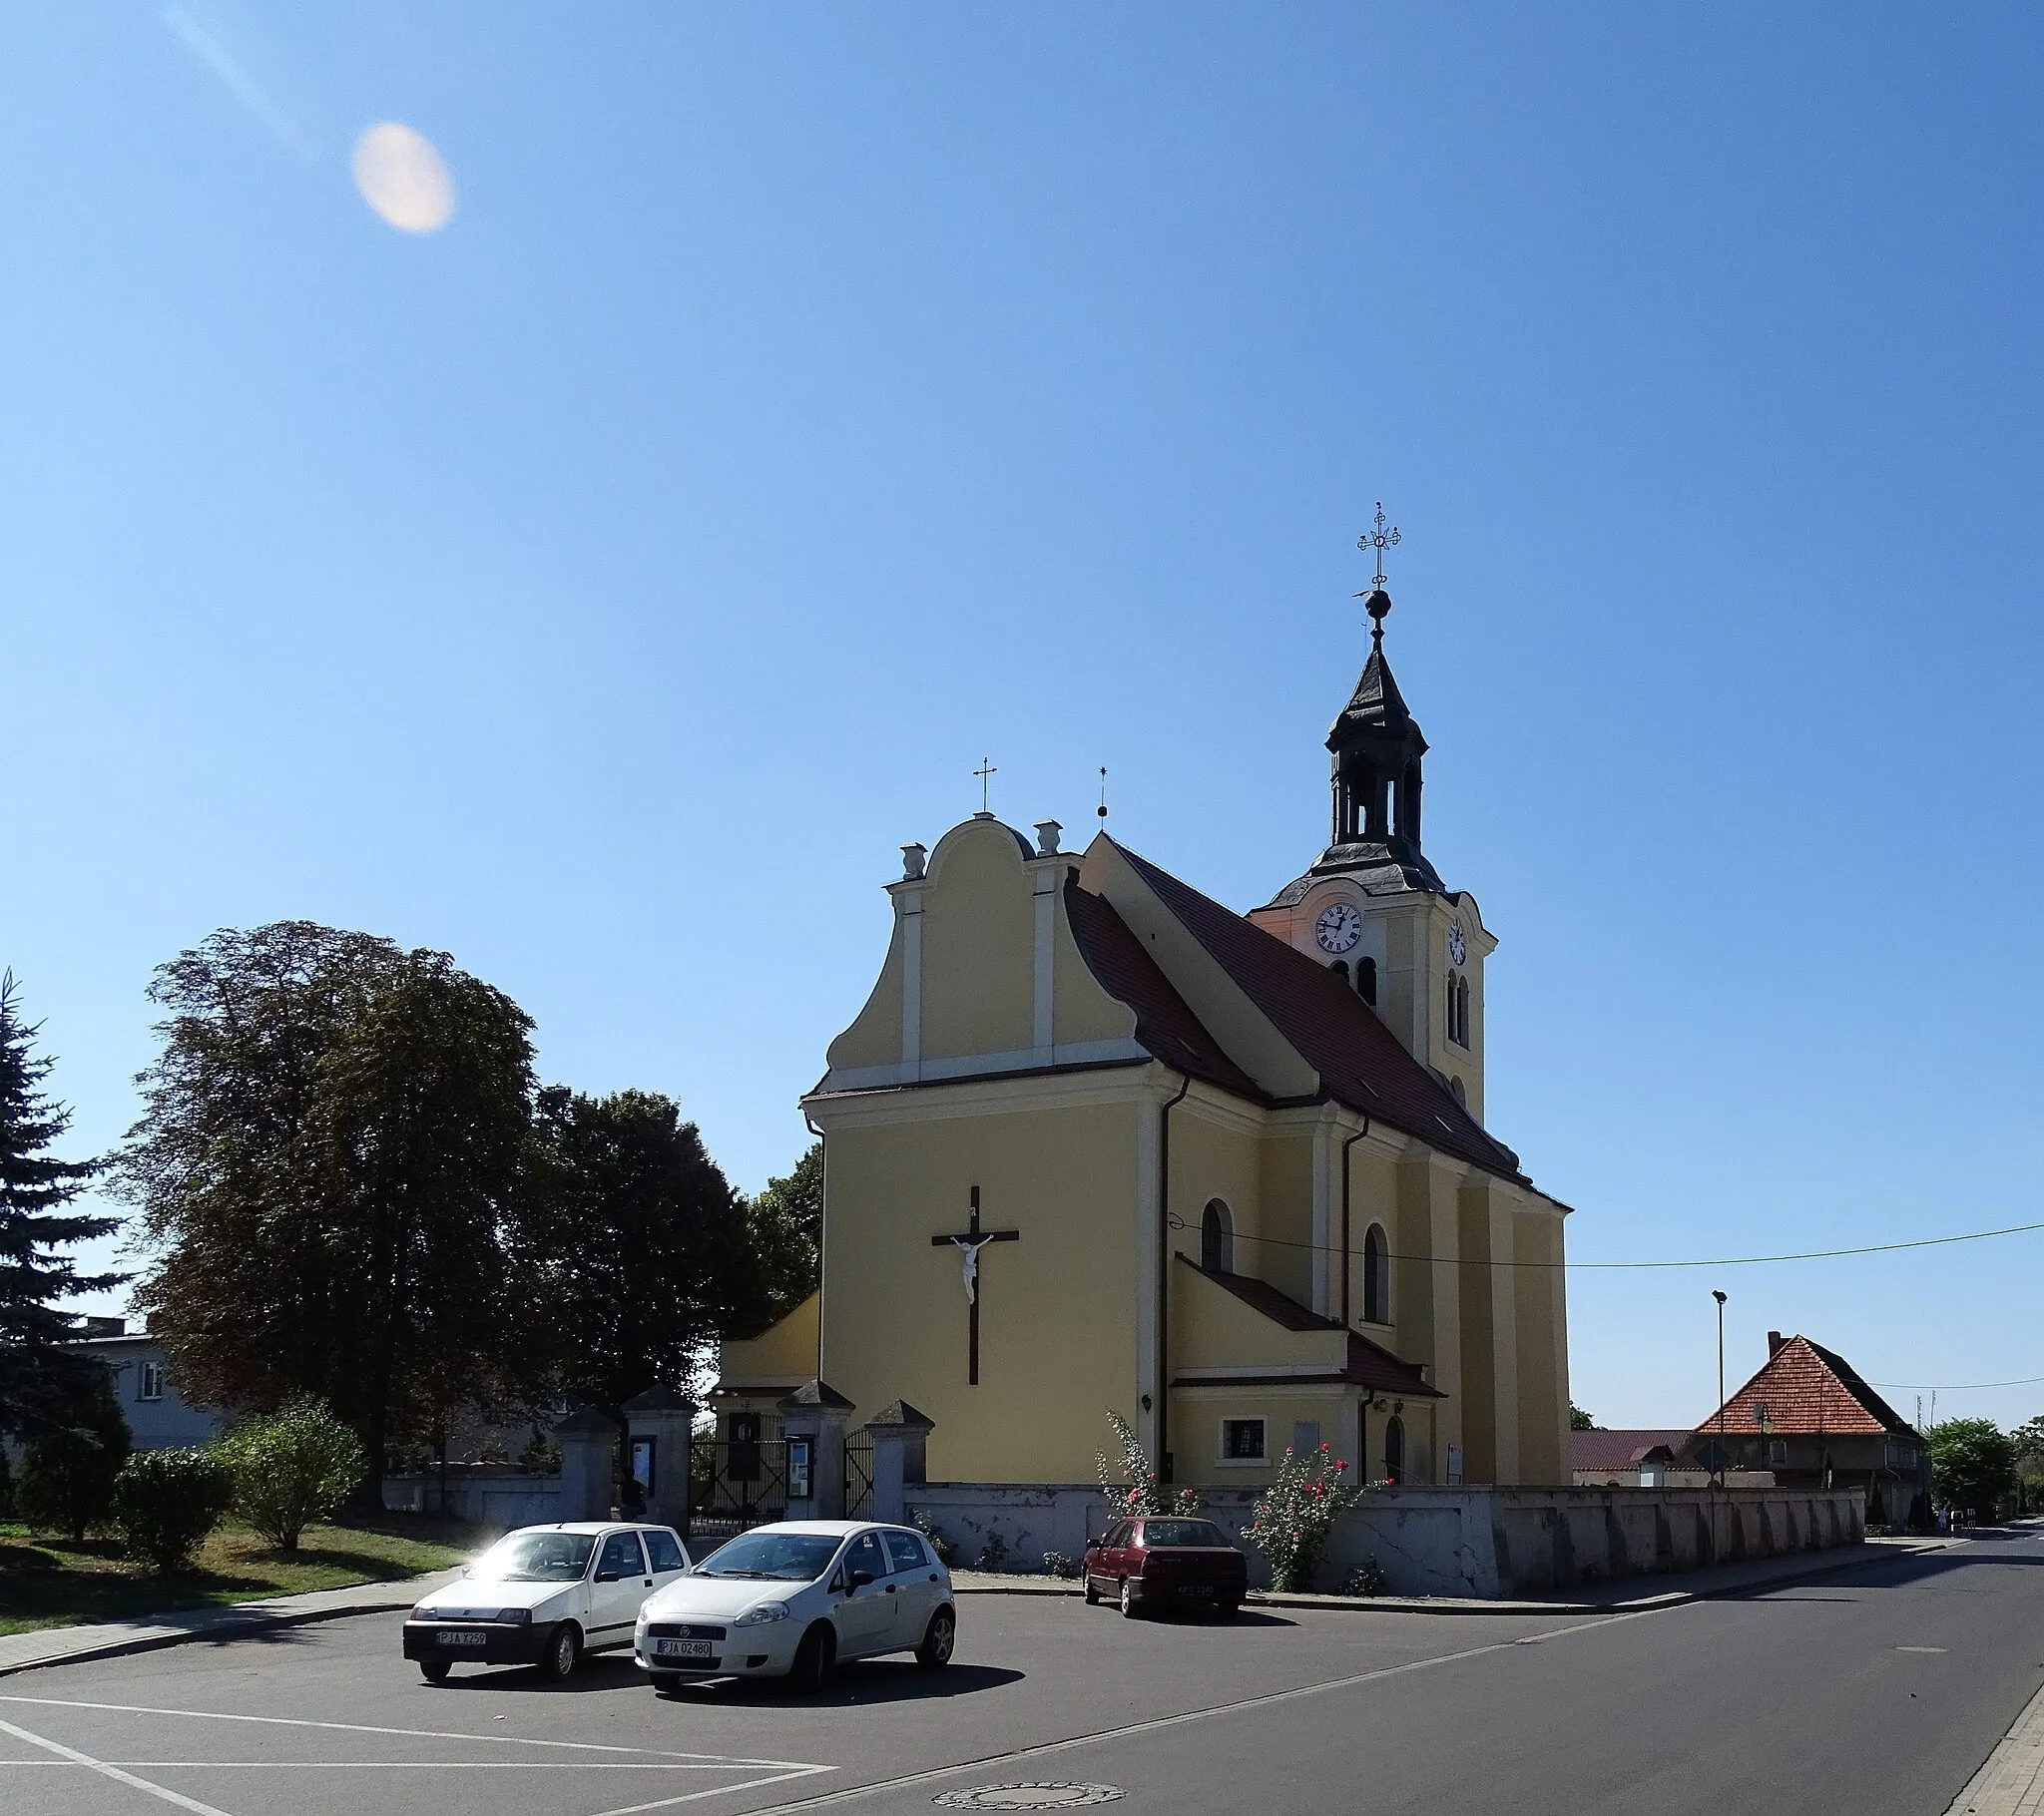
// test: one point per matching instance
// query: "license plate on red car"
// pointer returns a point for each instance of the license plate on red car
(1190, 1590)
(445, 1637)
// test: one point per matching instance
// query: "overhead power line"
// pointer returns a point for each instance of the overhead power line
(1806, 1255)
(1964, 1387)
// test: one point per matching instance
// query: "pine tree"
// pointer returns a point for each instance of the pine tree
(38, 1374)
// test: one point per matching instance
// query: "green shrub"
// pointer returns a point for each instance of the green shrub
(291, 1468)
(166, 1502)
(1056, 1564)
(67, 1472)
(1138, 1493)
(1294, 1515)
(934, 1533)
(1367, 1578)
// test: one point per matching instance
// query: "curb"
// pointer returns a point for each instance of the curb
(1845, 1557)
(241, 1626)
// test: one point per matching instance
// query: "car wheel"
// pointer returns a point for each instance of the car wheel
(814, 1659)
(434, 1670)
(937, 1640)
(1227, 1610)
(664, 1682)
(1091, 1593)
(1127, 1599)
(564, 1652)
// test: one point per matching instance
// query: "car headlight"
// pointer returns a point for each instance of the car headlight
(423, 1612)
(761, 1613)
(517, 1616)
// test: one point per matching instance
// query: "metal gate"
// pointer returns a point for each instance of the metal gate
(859, 1474)
(736, 1483)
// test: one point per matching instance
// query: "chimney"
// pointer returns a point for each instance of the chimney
(1773, 1344)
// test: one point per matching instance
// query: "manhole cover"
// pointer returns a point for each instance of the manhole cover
(1028, 1797)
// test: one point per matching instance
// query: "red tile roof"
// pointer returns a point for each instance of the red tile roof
(1368, 1364)
(1613, 1452)
(1359, 1060)
(1164, 1021)
(1807, 1390)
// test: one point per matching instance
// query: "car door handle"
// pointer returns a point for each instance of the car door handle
(891, 1588)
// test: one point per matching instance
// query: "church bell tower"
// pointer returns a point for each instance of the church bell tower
(1372, 907)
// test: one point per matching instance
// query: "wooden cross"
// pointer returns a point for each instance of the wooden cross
(969, 1243)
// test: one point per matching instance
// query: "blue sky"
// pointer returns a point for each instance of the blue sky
(805, 401)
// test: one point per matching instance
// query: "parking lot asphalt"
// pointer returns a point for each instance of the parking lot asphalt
(1878, 1690)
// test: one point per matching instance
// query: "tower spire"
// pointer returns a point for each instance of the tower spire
(1378, 603)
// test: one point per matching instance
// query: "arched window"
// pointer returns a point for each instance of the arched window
(1462, 1009)
(1453, 1035)
(1367, 980)
(1340, 966)
(1216, 1238)
(1394, 1449)
(1376, 1277)
(1461, 1096)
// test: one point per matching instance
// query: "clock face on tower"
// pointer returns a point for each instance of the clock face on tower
(1459, 947)
(1338, 928)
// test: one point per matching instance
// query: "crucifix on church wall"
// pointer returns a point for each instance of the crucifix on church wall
(968, 1244)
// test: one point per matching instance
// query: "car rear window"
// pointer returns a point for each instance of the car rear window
(905, 1551)
(620, 1553)
(1182, 1531)
(662, 1551)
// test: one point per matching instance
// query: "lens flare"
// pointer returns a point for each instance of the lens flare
(402, 178)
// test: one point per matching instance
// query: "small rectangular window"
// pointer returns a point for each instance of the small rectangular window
(1242, 1440)
(152, 1384)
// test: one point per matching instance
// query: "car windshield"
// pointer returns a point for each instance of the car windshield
(774, 1557)
(1182, 1531)
(536, 1557)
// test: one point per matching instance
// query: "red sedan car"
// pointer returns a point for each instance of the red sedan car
(1167, 1563)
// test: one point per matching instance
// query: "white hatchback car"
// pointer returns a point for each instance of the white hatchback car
(544, 1596)
(792, 1599)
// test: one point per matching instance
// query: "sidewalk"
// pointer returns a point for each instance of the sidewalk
(1626, 1595)
(68, 1645)
(2011, 1783)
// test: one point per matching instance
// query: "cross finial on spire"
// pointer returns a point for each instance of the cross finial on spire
(986, 771)
(1378, 603)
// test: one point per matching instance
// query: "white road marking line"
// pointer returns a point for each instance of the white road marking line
(112, 1771)
(726, 1790)
(1158, 1723)
(356, 1727)
(1922, 1649)
(397, 1765)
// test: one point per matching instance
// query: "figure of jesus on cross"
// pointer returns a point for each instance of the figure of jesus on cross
(968, 1244)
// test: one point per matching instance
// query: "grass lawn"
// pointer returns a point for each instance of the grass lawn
(47, 1582)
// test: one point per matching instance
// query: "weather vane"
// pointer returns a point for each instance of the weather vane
(1103, 794)
(986, 771)
(1378, 538)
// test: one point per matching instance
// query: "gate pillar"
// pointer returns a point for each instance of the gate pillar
(814, 1420)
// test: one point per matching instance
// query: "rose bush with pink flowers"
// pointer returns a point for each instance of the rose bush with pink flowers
(1294, 1515)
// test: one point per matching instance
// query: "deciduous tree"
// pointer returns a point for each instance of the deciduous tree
(336, 1146)
(639, 1238)
(1973, 1464)
(783, 1257)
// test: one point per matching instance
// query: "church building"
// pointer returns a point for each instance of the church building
(1096, 1142)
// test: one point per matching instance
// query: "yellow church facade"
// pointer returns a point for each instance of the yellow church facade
(1098, 1142)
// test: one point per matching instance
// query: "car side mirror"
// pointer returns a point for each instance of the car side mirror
(860, 1579)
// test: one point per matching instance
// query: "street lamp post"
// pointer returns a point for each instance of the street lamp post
(1718, 1472)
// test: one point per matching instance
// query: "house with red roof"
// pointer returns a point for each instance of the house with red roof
(1098, 1142)
(1810, 1420)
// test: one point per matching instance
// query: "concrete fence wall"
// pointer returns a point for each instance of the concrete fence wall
(497, 1499)
(1485, 1543)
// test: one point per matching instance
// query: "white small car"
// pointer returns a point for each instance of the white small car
(544, 1596)
(794, 1599)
